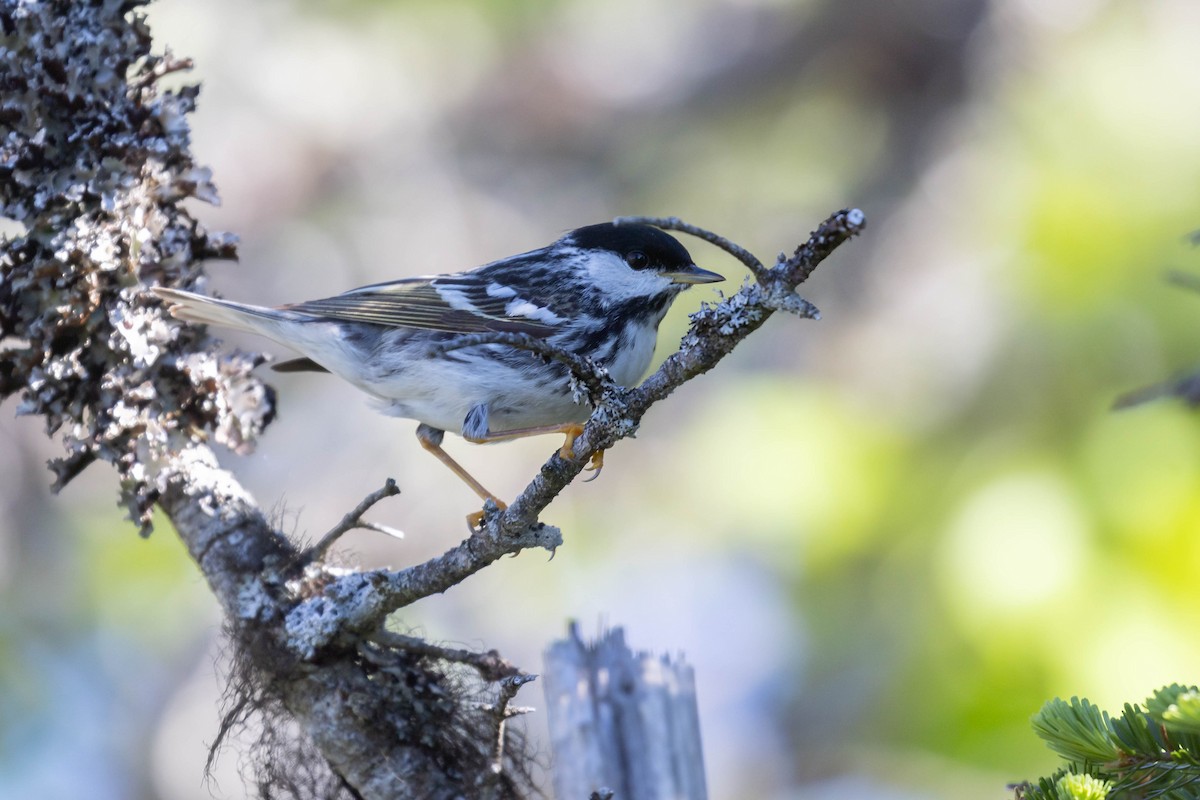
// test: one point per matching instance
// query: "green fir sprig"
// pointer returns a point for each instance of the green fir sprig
(1144, 754)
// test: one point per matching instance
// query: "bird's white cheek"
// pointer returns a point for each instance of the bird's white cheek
(617, 283)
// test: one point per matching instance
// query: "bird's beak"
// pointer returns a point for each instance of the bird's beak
(693, 274)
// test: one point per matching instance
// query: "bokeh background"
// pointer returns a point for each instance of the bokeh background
(883, 539)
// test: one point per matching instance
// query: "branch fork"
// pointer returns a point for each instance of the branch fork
(352, 520)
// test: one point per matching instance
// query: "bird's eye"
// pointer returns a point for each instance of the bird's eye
(637, 259)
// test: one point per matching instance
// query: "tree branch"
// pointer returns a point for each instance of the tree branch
(365, 599)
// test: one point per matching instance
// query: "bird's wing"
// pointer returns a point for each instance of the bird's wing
(465, 303)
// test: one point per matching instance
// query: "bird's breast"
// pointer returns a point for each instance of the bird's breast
(632, 354)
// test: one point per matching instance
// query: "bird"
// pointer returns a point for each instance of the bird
(599, 291)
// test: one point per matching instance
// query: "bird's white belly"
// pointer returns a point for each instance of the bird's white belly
(442, 394)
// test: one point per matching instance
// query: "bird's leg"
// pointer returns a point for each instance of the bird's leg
(431, 439)
(570, 432)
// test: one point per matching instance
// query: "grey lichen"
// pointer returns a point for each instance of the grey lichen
(93, 162)
(313, 623)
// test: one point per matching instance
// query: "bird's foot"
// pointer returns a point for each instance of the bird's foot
(567, 451)
(570, 434)
(494, 505)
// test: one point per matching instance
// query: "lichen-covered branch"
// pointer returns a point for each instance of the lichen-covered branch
(94, 161)
(363, 600)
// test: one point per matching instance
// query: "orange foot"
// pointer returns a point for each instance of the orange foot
(567, 451)
(571, 433)
(475, 519)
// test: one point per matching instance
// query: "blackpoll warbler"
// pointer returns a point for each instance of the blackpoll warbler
(599, 291)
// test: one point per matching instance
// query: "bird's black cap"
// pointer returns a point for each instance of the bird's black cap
(661, 248)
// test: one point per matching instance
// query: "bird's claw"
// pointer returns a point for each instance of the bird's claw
(567, 451)
(595, 466)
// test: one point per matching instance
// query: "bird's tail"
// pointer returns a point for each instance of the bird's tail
(191, 307)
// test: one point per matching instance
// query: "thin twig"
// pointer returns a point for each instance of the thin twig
(503, 711)
(792, 303)
(676, 224)
(161, 66)
(490, 665)
(387, 530)
(829, 234)
(349, 522)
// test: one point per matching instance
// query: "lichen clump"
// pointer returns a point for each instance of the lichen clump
(94, 161)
